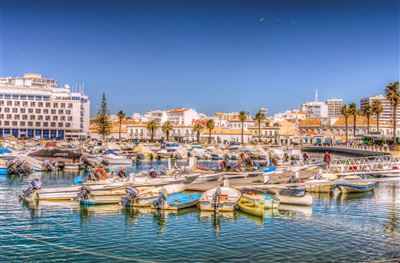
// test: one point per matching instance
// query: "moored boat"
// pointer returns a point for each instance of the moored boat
(148, 197)
(178, 201)
(293, 196)
(222, 199)
(351, 184)
(320, 183)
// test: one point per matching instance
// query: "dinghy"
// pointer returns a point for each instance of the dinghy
(356, 187)
(177, 201)
(148, 197)
(315, 184)
(293, 196)
(221, 199)
(268, 201)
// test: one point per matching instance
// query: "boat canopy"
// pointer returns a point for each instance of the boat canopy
(4, 150)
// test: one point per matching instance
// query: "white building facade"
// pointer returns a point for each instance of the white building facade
(33, 106)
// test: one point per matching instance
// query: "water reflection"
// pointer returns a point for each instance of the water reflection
(392, 225)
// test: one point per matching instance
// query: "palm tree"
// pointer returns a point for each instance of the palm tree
(260, 116)
(121, 116)
(353, 111)
(346, 114)
(367, 112)
(152, 126)
(210, 126)
(242, 118)
(198, 128)
(393, 96)
(377, 109)
(167, 128)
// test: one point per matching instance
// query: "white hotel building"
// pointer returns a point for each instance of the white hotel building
(33, 106)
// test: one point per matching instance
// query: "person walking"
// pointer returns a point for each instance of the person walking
(327, 159)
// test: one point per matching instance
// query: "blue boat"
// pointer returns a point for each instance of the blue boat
(352, 184)
(3, 170)
(181, 200)
(270, 169)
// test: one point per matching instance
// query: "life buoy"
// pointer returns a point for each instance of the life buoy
(103, 173)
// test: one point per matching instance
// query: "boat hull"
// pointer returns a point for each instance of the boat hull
(228, 201)
(181, 201)
(251, 208)
(356, 188)
(305, 200)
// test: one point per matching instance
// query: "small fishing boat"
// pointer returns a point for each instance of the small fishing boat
(320, 183)
(268, 201)
(252, 206)
(222, 199)
(351, 184)
(294, 196)
(113, 158)
(233, 175)
(178, 201)
(148, 197)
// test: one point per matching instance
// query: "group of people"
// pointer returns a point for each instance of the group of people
(243, 163)
(100, 174)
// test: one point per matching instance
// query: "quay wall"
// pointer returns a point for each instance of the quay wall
(361, 151)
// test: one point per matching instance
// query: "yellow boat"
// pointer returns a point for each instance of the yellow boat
(252, 206)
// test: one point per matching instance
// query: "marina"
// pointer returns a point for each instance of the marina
(134, 234)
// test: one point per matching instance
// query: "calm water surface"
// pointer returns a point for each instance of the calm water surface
(346, 228)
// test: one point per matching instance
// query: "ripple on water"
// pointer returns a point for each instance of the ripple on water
(337, 228)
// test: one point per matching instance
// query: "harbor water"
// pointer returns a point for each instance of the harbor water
(337, 228)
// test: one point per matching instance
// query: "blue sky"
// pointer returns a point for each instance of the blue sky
(212, 56)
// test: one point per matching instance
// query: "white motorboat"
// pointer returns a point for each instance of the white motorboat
(221, 199)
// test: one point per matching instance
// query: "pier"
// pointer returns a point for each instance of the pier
(349, 150)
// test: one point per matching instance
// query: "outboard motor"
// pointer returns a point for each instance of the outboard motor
(35, 184)
(105, 162)
(61, 165)
(161, 199)
(84, 193)
(131, 193)
(215, 200)
(48, 165)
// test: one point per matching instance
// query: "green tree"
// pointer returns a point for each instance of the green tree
(167, 128)
(260, 116)
(393, 96)
(198, 128)
(121, 116)
(346, 114)
(210, 126)
(367, 112)
(103, 123)
(152, 126)
(377, 109)
(353, 111)
(242, 118)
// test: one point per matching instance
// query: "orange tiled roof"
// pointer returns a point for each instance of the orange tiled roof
(310, 122)
(360, 120)
(178, 110)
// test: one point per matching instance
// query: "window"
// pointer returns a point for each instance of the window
(7, 96)
(53, 124)
(9, 103)
(16, 103)
(60, 125)
(45, 111)
(47, 104)
(31, 97)
(37, 124)
(7, 110)
(22, 110)
(22, 123)
(15, 97)
(45, 124)
(6, 123)
(30, 124)
(14, 110)
(55, 105)
(32, 117)
(68, 112)
(38, 111)
(55, 117)
(23, 97)
(40, 104)
(60, 111)
(14, 123)
(47, 118)
(70, 105)
(24, 104)
(40, 117)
